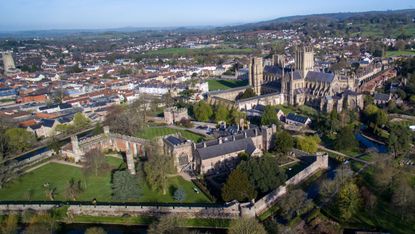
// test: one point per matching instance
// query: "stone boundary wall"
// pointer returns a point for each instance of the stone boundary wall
(266, 202)
(225, 212)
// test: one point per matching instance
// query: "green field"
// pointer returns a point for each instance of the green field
(399, 53)
(146, 220)
(153, 132)
(30, 185)
(225, 84)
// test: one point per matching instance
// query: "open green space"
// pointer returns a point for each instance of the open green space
(31, 185)
(225, 84)
(146, 220)
(399, 53)
(153, 132)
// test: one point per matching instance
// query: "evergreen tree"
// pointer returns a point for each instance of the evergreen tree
(238, 187)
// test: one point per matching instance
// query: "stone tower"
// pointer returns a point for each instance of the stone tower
(8, 62)
(304, 60)
(256, 74)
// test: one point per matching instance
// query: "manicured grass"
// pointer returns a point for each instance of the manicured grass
(225, 84)
(30, 185)
(98, 187)
(138, 220)
(147, 195)
(153, 132)
(399, 53)
(146, 220)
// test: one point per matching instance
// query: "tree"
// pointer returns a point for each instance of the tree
(9, 224)
(95, 162)
(403, 197)
(235, 116)
(41, 223)
(381, 118)
(400, 139)
(156, 169)
(346, 139)
(50, 191)
(246, 226)
(349, 200)
(283, 142)
(263, 173)
(166, 225)
(19, 139)
(73, 189)
(238, 187)
(308, 143)
(249, 92)
(295, 203)
(202, 111)
(124, 186)
(95, 230)
(221, 113)
(179, 194)
(7, 171)
(80, 121)
(269, 116)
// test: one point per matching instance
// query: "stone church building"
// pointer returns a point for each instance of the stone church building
(296, 85)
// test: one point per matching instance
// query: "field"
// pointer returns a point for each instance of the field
(153, 132)
(225, 84)
(400, 53)
(30, 186)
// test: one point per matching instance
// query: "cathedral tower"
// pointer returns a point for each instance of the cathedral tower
(8, 62)
(256, 74)
(304, 60)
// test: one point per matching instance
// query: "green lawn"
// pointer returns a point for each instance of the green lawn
(225, 84)
(146, 220)
(30, 186)
(399, 53)
(153, 132)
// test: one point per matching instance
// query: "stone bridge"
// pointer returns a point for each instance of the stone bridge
(131, 146)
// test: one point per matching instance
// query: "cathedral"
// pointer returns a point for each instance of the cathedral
(301, 83)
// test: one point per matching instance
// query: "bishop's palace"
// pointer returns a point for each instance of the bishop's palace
(274, 83)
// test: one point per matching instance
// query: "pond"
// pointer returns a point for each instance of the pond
(371, 144)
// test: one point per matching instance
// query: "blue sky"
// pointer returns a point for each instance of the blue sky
(91, 14)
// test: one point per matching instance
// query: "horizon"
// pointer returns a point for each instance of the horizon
(47, 15)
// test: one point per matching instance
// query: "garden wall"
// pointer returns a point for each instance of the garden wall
(322, 162)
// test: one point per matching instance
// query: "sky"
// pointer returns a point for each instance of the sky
(17, 15)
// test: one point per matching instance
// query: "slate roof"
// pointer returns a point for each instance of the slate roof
(174, 140)
(47, 122)
(297, 75)
(226, 148)
(382, 97)
(297, 118)
(320, 76)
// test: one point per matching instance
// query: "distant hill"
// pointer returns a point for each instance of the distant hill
(371, 23)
